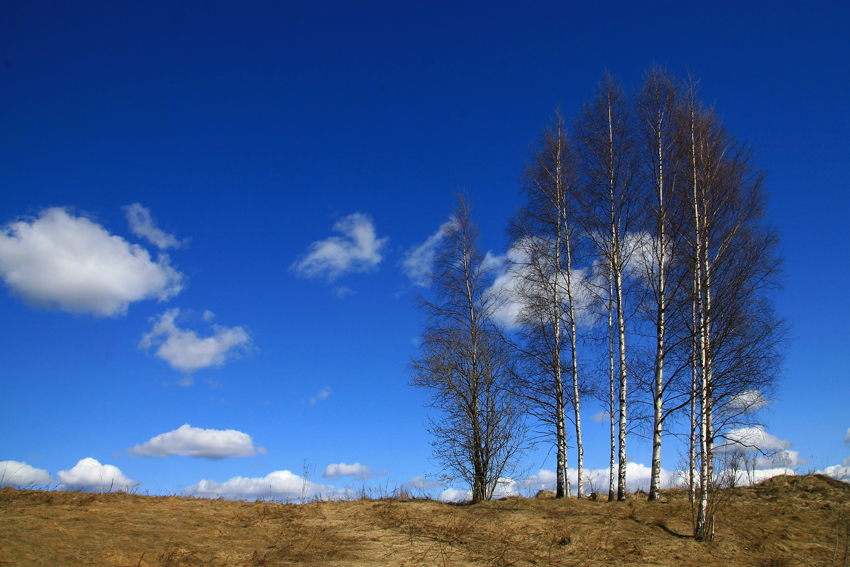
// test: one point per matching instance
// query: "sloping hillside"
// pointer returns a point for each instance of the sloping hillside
(784, 521)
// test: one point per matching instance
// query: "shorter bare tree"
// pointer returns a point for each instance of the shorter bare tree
(479, 431)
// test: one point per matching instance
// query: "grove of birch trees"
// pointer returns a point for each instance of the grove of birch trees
(641, 272)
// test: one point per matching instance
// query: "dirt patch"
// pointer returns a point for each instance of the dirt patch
(785, 521)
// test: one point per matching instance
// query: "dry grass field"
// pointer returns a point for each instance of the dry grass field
(784, 521)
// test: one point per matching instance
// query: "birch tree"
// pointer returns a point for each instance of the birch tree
(735, 269)
(657, 144)
(479, 430)
(608, 198)
(545, 241)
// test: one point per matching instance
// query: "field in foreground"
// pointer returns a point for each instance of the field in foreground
(784, 521)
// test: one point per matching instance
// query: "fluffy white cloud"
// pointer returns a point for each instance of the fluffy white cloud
(754, 438)
(89, 474)
(187, 352)
(196, 442)
(342, 469)
(13, 473)
(839, 472)
(517, 279)
(847, 437)
(143, 225)
(75, 264)
(455, 495)
(358, 250)
(765, 450)
(419, 260)
(282, 485)
(323, 393)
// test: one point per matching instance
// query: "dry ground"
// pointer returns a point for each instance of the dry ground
(784, 521)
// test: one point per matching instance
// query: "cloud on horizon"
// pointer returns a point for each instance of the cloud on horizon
(195, 442)
(89, 475)
(357, 250)
(185, 351)
(60, 260)
(13, 473)
(281, 485)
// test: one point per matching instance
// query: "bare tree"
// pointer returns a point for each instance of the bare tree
(609, 209)
(657, 142)
(735, 269)
(479, 432)
(544, 238)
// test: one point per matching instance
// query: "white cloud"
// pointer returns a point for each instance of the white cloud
(141, 224)
(89, 474)
(601, 417)
(196, 442)
(282, 485)
(847, 437)
(748, 401)
(72, 263)
(358, 250)
(323, 393)
(342, 292)
(342, 469)
(419, 260)
(768, 451)
(13, 473)
(839, 472)
(422, 483)
(753, 438)
(187, 352)
(455, 495)
(516, 280)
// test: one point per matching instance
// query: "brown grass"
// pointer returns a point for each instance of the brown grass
(783, 522)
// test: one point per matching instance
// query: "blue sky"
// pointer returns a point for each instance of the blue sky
(218, 201)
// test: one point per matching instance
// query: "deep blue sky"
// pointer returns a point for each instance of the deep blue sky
(252, 130)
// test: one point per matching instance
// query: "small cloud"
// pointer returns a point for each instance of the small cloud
(342, 292)
(13, 473)
(601, 417)
(60, 260)
(208, 315)
(847, 437)
(748, 401)
(358, 470)
(185, 351)
(191, 441)
(358, 250)
(423, 483)
(141, 224)
(89, 474)
(323, 393)
(419, 260)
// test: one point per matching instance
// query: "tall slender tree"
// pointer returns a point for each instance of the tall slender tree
(609, 210)
(735, 269)
(545, 241)
(657, 139)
